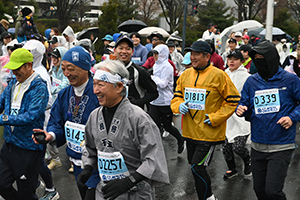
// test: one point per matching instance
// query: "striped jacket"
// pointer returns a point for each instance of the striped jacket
(221, 100)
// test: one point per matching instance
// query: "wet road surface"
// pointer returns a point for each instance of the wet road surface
(181, 185)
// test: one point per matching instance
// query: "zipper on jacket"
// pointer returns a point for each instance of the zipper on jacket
(196, 78)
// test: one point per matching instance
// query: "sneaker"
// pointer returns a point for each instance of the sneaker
(50, 195)
(71, 170)
(48, 156)
(248, 170)
(54, 164)
(230, 174)
(212, 197)
(165, 134)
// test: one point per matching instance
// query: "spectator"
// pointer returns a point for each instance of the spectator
(209, 34)
(176, 57)
(149, 43)
(238, 37)
(5, 38)
(254, 40)
(215, 59)
(28, 26)
(69, 35)
(246, 39)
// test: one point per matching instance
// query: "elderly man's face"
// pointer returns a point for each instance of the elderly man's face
(76, 75)
(108, 94)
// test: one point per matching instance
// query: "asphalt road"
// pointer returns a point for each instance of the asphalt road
(181, 185)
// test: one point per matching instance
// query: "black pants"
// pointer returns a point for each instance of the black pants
(22, 166)
(238, 147)
(164, 115)
(200, 156)
(269, 171)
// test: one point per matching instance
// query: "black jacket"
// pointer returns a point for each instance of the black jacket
(142, 89)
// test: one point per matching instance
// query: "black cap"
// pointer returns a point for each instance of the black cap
(158, 35)
(170, 44)
(5, 35)
(26, 11)
(236, 54)
(53, 40)
(245, 48)
(201, 46)
(124, 38)
(232, 40)
(210, 25)
(55, 53)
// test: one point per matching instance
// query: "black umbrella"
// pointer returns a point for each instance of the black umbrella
(86, 33)
(131, 26)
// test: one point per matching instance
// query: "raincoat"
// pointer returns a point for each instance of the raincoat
(72, 39)
(163, 77)
(59, 80)
(237, 126)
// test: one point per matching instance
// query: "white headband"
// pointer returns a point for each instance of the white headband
(108, 77)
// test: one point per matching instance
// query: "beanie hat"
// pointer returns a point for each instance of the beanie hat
(78, 56)
(26, 11)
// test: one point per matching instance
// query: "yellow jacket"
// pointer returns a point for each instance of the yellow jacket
(222, 98)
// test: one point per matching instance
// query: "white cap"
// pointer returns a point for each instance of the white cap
(238, 34)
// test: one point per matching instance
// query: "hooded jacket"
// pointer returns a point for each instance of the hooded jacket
(163, 77)
(72, 39)
(31, 114)
(264, 127)
(59, 80)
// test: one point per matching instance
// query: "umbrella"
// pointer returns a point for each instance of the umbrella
(131, 26)
(147, 31)
(275, 31)
(86, 33)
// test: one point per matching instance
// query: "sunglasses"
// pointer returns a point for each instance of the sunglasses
(155, 39)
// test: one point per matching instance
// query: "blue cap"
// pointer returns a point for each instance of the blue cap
(187, 59)
(124, 38)
(78, 56)
(201, 46)
(108, 38)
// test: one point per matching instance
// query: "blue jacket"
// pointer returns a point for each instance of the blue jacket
(264, 127)
(139, 52)
(31, 114)
(62, 111)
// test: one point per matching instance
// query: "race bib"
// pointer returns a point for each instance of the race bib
(266, 101)
(55, 82)
(111, 165)
(74, 136)
(15, 108)
(195, 97)
(136, 59)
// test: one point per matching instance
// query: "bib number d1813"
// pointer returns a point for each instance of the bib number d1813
(196, 98)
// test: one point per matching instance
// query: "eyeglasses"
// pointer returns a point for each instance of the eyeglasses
(155, 39)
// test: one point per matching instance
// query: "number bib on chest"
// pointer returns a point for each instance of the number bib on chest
(55, 82)
(195, 97)
(74, 136)
(111, 165)
(266, 101)
(15, 108)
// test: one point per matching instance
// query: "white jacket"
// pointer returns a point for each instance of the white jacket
(237, 126)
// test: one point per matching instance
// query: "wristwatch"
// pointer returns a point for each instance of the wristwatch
(5, 118)
(132, 179)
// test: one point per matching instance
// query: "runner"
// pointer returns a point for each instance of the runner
(122, 134)
(206, 97)
(71, 110)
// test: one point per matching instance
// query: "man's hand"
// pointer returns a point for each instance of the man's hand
(240, 110)
(183, 108)
(48, 136)
(285, 122)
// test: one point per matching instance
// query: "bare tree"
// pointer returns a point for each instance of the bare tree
(148, 8)
(294, 5)
(64, 10)
(249, 9)
(173, 10)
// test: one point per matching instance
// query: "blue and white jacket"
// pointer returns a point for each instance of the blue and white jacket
(31, 114)
(264, 127)
(62, 111)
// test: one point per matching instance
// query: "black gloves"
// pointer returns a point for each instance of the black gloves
(116, 187)
(84, 176)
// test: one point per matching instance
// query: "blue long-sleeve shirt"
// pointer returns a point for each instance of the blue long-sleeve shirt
(139, 56)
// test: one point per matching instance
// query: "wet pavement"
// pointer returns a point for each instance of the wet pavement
(181, 185)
